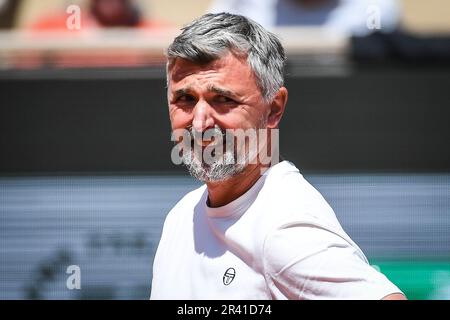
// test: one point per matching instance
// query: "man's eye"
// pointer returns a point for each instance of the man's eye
(223, 99)
(185, 98)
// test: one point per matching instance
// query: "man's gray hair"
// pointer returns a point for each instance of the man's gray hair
(214, 35)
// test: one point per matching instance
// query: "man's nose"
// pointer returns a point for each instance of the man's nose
(203, 119)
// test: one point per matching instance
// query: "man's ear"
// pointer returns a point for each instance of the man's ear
(276, 108)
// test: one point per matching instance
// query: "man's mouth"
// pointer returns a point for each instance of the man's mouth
(202, 143)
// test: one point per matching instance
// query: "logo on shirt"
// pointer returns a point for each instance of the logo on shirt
(228, 276)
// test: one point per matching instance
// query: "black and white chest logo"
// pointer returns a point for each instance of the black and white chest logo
(228, 276)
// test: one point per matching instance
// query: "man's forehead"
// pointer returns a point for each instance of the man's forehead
(182, 68)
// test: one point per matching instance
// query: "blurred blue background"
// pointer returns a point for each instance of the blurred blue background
(110, 227)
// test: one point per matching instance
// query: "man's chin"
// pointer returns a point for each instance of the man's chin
(216, 172)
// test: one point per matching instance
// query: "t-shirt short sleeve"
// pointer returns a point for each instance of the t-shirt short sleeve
(305, 261)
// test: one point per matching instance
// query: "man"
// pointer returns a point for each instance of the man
(255, 230)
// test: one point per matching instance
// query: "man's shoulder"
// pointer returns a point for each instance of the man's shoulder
(297, 209)
(293, 198)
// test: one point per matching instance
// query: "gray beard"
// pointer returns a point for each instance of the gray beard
(222, 169)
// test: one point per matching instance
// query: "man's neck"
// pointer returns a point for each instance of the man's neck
(224, 192)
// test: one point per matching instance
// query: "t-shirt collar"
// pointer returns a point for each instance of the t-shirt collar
(238, 206)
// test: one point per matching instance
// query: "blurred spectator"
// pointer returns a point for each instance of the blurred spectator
(8, 10)
(99, 14)
(94, 15)
(401, 46)
(352, 17)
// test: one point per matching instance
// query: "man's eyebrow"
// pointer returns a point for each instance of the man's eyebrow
(211, 88)
(221, 91)
(182, 91)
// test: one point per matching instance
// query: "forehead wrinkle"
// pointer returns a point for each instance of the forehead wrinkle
(187, 68)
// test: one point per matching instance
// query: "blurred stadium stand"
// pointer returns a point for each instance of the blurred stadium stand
(85, 170)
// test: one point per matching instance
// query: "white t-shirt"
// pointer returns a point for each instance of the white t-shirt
(279, 240)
